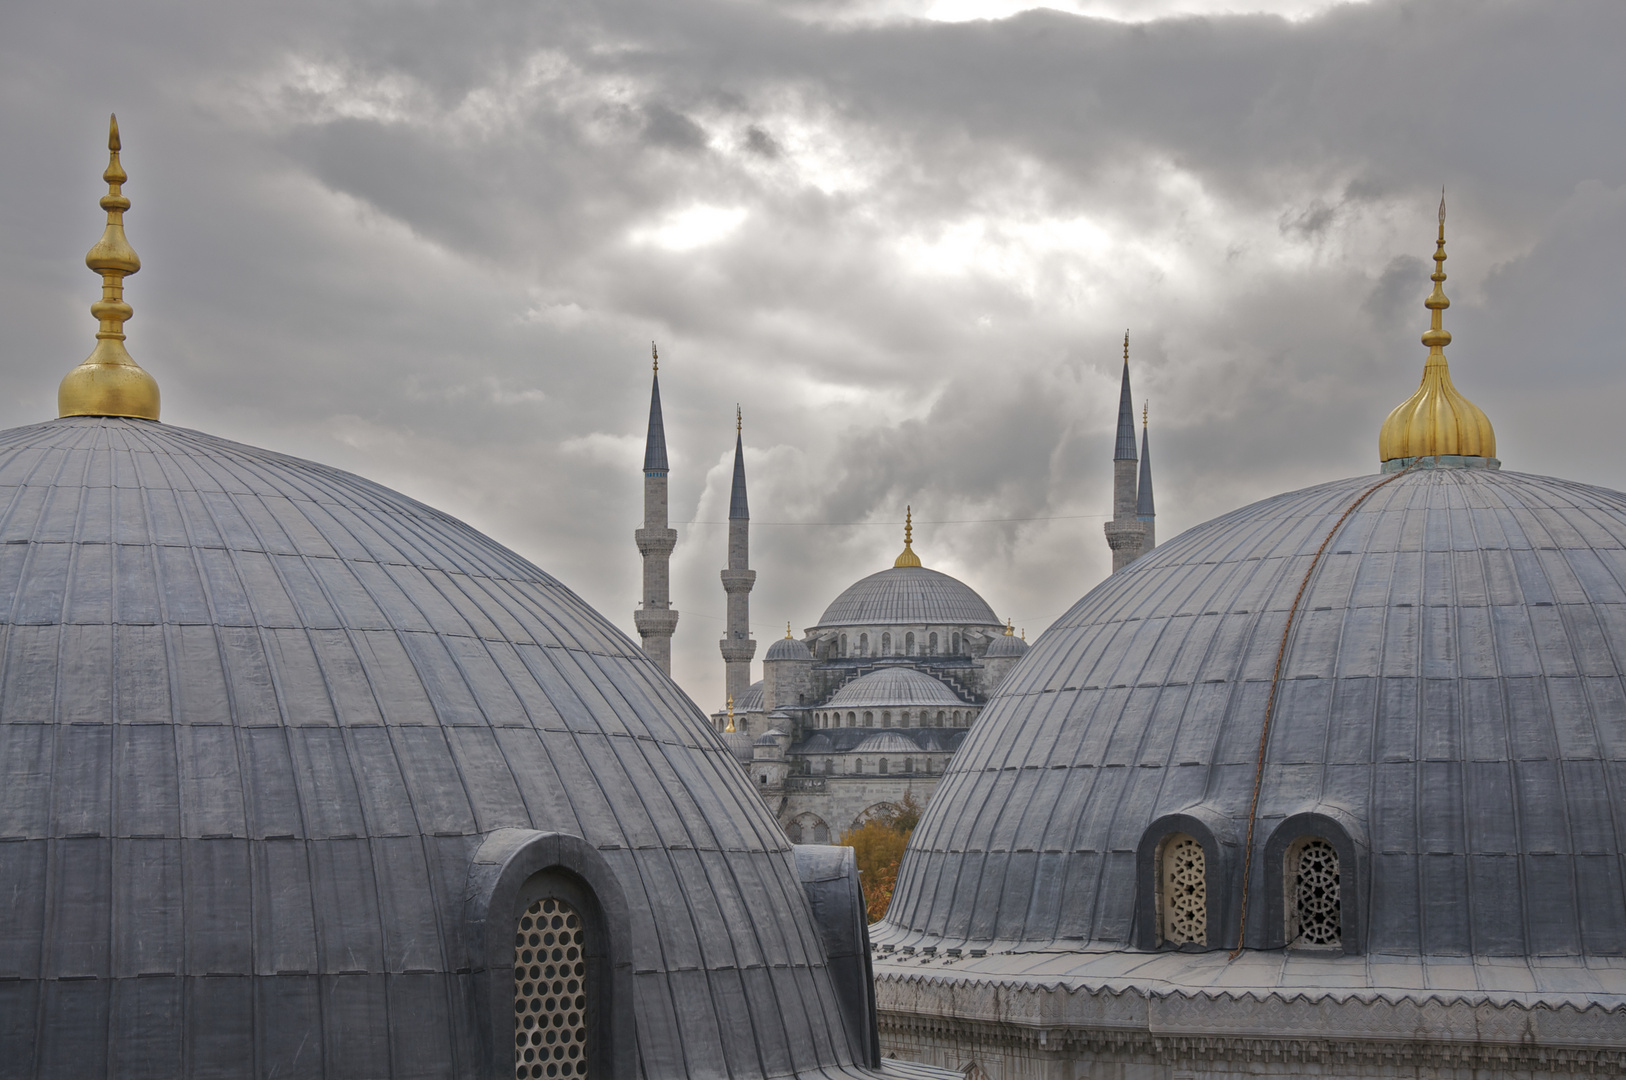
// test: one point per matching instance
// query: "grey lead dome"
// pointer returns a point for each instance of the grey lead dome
(1451, 697)
(905, 595)
(257, 716)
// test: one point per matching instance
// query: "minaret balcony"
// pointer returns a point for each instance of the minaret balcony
(739, 581)
(655, 622)
(655, 541)
(1125, 534)
(736, 650)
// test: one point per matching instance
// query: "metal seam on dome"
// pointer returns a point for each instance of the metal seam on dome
(1270, 701)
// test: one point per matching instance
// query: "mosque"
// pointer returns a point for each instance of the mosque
(868, 707)
(300, 777)
(1333, 785)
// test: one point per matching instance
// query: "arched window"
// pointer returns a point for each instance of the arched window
(794, 831)
(843, 644)
(956, 648)
(886, 717)
(869, 719)
(883, 765)
(863, 644)
(908, 764)
(956, 717)
(1183, 892)
(550, 992)
(852, 719)
(886, 644)
(931, 644)
(939, 718)
(1312, 904)
(909, 643)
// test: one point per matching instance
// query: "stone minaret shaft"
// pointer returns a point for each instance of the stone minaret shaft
(656, 619)
(736, 645)
(1125, 531)
(1145, 506)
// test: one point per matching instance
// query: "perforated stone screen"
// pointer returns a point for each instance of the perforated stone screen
(1185, 892)
(550, 993)
(1314, 880)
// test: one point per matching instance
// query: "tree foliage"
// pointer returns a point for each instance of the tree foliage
(878, 845)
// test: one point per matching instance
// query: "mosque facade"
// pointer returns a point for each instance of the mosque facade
(1333, 785)
(868, 707)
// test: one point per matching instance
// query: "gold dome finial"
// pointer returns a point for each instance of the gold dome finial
(730, 728)
(655, 357)
(787, 629)
(1436, 420)
(908, 557)
(1009, 632)
(109, 382)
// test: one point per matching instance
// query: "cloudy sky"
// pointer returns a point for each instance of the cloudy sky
(431, 242)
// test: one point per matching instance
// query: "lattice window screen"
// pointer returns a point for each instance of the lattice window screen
(550, 994)
(1185, 892)
(1315, 897)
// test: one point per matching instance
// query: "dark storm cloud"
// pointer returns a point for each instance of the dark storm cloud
(431, 242)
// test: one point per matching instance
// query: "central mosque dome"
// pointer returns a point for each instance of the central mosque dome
(907, 593)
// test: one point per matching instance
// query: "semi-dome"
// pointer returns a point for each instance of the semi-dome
(892, 686)
(887, 742)
(267, 730)
(1447, 706)
(908, 595)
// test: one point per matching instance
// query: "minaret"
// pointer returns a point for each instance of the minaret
(656, 620)
(1124, 531)
(110, 382)
(736, 645)
(1145, 508)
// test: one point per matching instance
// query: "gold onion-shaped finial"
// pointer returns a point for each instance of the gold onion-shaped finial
(908, 557)
(730, 727)
(109, 382)
(1437, 419)
(1009, 629)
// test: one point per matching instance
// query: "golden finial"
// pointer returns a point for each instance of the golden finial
(109, 382)
(730, 728)
(1437, 419)
(1024, 633)
(655, 357)
(908, 557)
(787, 629)
(1008, 631)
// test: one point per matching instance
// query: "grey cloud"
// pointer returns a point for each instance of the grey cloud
(406, 241)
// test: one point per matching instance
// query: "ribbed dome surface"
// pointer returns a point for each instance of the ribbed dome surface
(886, 743)
(1452, 685)
(787, 649)
(1006, 645)
(904, 595)
(256, 715)
(892, 686)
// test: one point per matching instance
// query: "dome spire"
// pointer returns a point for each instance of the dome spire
(908, 556)
(1436, 420)
(110, 382)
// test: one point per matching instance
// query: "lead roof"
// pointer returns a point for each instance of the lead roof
(256, 714)
(1453, 684)
(905, 595)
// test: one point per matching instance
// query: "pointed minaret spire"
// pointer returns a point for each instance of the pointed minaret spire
(1145, 508)
(656, 620)
(737, 646)
(110, 382)
(1125, 531)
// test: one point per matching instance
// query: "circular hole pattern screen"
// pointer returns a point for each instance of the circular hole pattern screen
(550, 994)
(1185, 892)
(1316, 899)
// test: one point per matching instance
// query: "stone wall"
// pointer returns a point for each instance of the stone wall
(839, 801)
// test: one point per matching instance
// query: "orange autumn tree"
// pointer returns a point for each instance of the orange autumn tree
(878, 845)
